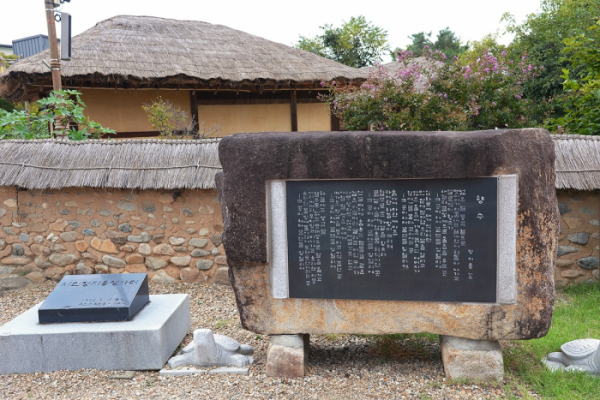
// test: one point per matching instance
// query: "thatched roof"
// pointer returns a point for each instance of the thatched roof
(127, 164)
(577, 162)
(192, 164)
(136, 51)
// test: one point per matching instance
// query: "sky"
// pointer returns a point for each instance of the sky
(282, 21)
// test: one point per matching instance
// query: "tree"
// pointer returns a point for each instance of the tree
(581, 98)
(62, 105)
(420, 41)
(542, 37)
(449, 44)
(357, 43)
(446, 42)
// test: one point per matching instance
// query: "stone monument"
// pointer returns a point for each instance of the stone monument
(452, 233)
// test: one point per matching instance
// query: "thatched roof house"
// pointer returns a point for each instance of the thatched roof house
(191, 63)
(192, 164)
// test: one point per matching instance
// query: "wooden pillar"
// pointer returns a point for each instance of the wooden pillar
(335, 122)
(294, 111)
(194, 110)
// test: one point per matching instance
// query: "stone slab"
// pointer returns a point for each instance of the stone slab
(479, 360)
(144, 343)
(281, 156)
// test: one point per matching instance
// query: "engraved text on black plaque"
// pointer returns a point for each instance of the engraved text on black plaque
(417, 239)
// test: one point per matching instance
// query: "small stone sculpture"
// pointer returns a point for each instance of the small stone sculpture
(578, 355)
(208, 349)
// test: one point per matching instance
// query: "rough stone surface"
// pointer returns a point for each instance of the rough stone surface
(81, 246)
(564, 263)
(75, 224)
(587, 210)
(101, 269)
(595, 222)
(145, 249)
(181, 261)
(216, 239)
(563, 208)
(69, 236)
(579, 238)
(369, 155)
(63, 259)
(163, 249)
(472, 359)
(562, 250)
(144, 343)
(571, 274)
(88, 232)
(191, 275)
(114, 262)
(163, 278)
(83, 269)
(125, 228)
(176, 241)
(588, 262)
(155, 263)
(201, 243)
(222, 276)
(200, 253)
(204, 264)
(124, 205)
(285, 362)
(142, 238)
(134, 259)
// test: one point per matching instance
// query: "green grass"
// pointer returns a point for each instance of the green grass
(576, 316)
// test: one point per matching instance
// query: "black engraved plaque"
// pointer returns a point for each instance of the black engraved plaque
(413, 239)
(95, 298)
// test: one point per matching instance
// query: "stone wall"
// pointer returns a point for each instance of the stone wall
(579, 233)
(173, 236)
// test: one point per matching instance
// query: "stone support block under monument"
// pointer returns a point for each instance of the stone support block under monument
(451, 233)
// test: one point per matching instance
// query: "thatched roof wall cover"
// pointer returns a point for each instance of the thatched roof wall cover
(577, 162)
(127, 164)
(137, 49)
(192, 164)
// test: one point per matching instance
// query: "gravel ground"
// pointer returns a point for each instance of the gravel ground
(340, 366)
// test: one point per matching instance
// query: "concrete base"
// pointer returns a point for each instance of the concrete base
(479, 360)
(144, 343)
(287, 355)
(196, 371)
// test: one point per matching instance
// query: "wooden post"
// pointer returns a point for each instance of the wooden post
(194, 110)
(53, 44)
(54, 57)
(335, 122)
(294, 111)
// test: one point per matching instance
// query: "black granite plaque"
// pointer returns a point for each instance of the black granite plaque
(95, 298)
(416, 239)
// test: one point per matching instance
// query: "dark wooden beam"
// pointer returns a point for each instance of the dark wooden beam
(335, 122)
(294, 111)
(194, 109)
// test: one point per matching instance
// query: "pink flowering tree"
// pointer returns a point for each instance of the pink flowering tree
(426, 94)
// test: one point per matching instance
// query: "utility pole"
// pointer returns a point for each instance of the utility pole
(54, 60)
(53, 44)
